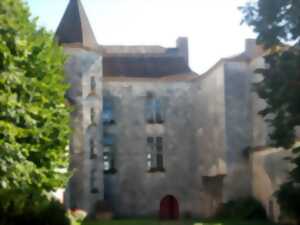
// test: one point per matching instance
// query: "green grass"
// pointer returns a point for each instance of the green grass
(185, 222)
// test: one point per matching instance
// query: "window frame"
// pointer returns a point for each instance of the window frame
(154, 157)
(108, 151)
(153, 110)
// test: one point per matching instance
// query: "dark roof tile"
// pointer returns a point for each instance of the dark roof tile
(75, 27)
(144, 66)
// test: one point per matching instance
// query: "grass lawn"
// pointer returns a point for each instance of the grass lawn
(187, 222)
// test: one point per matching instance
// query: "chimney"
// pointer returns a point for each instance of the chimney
(183, 48)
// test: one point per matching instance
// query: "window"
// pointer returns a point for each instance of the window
(151, 153)
(153, 110)
(149, 161)
(92, 114)
(93, 84)
(94, 188)
(155, 154)
(108, 139)
(107, 113)
(93, 153)
(159, 153)
(108, 160)
(108, 153)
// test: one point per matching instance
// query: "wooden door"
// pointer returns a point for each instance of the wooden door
(169, 208)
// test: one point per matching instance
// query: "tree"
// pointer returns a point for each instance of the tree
(277, 23)
(34, 126)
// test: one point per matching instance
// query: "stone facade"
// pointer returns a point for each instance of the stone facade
(81, 67)
(147, 128)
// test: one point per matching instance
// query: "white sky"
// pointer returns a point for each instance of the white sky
(212, 26)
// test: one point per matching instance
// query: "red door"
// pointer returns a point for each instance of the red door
(169, 209)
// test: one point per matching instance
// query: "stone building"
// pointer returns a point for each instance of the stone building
(150, 136)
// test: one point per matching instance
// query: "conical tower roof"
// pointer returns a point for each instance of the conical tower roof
(75, 27)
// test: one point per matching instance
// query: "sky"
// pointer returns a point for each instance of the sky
(213, 26)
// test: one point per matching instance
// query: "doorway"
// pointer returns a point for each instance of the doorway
(169, 208)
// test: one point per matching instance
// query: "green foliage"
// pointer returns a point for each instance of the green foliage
(34, 126)
(281, 91)
(287, 192)
(47, 213)
(277, 22)
(243, 209)
(54, 214)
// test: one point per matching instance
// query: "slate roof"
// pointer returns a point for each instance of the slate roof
(119, 61)
(75, 27)
(132, 49)
(144, 66)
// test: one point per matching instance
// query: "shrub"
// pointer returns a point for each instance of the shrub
(47, 213)
(289, 201)
(34, 119)
(55, 214)
(244, 209)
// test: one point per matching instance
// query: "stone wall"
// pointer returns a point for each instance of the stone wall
(80, 69)
(209, 125)
(209, 110)
(260, 130)
(194, 147)
(238, 129)
(135, 191)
